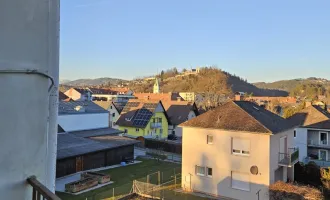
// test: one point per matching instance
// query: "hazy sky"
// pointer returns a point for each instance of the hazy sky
(258, 40)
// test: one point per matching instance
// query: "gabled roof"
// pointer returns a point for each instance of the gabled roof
(119, 106)
(178, 111)
(312, 117)
(137, 113)
(82, 90)
(70, 107)
(159, 96)
(240, 116)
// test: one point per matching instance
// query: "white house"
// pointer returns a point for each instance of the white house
(112, 94)
(114, 111)
(82, 115)
(312, 135)
(237, 150)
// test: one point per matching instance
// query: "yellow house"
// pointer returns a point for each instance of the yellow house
(144, 118)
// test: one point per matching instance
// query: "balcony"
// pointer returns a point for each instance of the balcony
(288, 159)
(156, 125)
(318, 143)
(40, 191)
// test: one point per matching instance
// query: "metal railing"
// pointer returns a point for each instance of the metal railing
(156, 125)
(288, 159)
(321, 163)
(317, 142)
(40, 191)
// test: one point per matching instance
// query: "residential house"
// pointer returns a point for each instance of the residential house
(237, 150)
(111, 94)
(179, 112)
(191, 96)
(79, 94)
(144, 118)
(312, 135)
(114, 109)
(78, 151)
(82, 115)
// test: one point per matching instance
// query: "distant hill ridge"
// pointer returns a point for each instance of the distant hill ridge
(96, 82)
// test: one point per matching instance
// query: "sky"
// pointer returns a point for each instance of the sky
(256, 39)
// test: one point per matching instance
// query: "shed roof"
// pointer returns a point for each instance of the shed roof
(69, 107)
(70, 145)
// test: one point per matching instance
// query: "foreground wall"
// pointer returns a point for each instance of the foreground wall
(29, 41)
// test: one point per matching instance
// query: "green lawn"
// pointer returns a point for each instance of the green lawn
(123, 177)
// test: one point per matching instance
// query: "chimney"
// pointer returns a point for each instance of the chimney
(308, 104)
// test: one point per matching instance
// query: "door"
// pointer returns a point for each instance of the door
(323, 155)
(79, 164)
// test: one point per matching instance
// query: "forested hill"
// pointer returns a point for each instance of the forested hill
(209, 80)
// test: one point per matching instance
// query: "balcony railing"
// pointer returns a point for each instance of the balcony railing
(40, 191)
(317, 142)
(290, 158)
(321, 163)
(156, 125)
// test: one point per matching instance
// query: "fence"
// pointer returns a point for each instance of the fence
(167, 146)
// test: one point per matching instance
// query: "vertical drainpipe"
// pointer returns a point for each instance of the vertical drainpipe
(53, 66)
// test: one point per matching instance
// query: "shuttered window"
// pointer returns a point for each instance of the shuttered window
(240, 146)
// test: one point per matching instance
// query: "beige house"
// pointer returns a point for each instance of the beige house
(114, 109)
(237, 150)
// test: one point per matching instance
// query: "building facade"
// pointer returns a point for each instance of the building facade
(237, 151)
(144, 118)
(79, 94)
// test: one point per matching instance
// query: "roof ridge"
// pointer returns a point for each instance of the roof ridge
(253, 117)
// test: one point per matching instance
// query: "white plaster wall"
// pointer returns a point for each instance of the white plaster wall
(26, 43)
(218, 156)
(76, 122)
(300, 141)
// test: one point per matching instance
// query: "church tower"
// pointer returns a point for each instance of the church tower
(156, 86)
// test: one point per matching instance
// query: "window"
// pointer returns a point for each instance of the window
(240, 146)
(209, 172)
(125, 130)
(160, 120)
(210, 139)
(240, 181)
(110, 107)
(294, 133)
(323, 138)
(161, 131)
(114, 124)
(137, 130)
(200, 171)
(113, 114)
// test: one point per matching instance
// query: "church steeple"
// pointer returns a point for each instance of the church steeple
(156, 86)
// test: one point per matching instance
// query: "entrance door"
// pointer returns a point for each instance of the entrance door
(323, 155)
(79, 164)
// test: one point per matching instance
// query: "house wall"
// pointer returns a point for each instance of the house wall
(300, 141)
(146, 132)
(218, 156)
(274, 154)
(177, 129)
(112, 121)
(75, 122)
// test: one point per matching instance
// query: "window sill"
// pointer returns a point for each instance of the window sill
(239, 154)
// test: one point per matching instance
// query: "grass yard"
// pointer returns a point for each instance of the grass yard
(124, 176)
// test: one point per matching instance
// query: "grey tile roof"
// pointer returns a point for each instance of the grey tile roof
(241, 116)
(178, 111)
(69, 107)
(70, 145)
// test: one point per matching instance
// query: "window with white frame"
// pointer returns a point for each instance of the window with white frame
(323, 138)
(200, 171)
(240, 146)
(209, 139)
(137, 130)
(295, 133)
(209, 172)
(240, 181)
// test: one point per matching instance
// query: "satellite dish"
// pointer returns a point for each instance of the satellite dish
(254, 170)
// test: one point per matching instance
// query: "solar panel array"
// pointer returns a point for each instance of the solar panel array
(142, 117)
